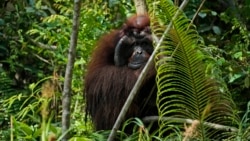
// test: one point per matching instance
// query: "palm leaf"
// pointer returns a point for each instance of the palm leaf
(184, 89)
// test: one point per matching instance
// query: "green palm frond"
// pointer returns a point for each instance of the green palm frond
(184, 89)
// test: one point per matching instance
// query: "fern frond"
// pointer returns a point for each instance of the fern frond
(184, 89)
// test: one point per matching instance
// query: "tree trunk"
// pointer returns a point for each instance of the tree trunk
(141, 7)
(66, 97)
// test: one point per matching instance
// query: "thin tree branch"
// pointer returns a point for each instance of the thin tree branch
(190, 121)
(197, 12)
(141, 78)
(41, 58)
(66, 97)
(38, 44)
(41, 45)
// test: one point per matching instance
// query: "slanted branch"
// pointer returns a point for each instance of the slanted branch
(190, 121)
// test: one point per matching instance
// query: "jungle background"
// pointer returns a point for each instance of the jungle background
(34, 42)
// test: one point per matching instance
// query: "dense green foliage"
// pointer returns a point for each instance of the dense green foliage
(34, 41)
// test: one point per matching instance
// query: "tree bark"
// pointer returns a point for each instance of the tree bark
(66, 96)
(141, 7)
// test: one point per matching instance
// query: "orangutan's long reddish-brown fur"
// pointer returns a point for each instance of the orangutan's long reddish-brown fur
(108, 86)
